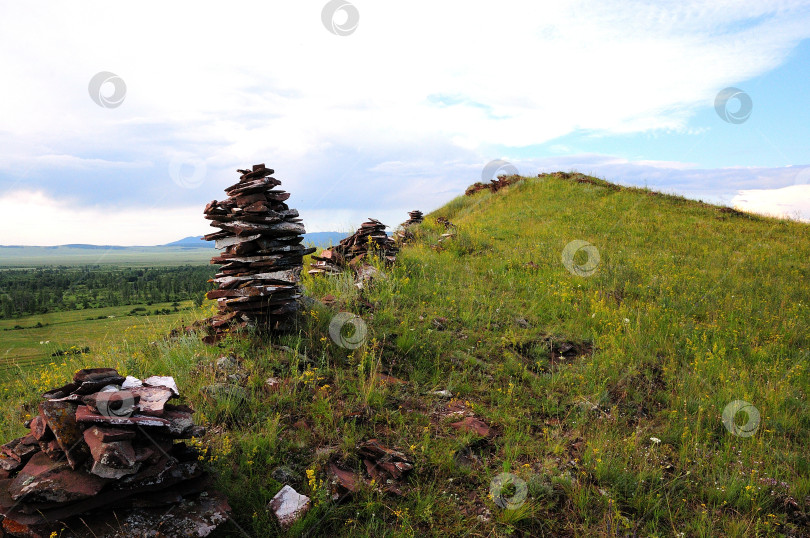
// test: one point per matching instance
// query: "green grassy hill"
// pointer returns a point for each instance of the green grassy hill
(603, 385)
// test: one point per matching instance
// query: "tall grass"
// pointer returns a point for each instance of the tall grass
(689, 309)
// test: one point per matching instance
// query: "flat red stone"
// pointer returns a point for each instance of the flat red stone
(94, 374)
(391, 380)
(46, 480)
(114, 454)
(9, 464)
(474, 425)
(40, 429)
(85, 415)
(346, 479)
(61, 418)
(108, 435)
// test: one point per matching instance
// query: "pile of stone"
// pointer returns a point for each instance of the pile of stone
(494, 185)
(259, 281)
(369, 240)
(415, 218)
(102, 458)
(386, 466)
(403, 234)
(329, 262)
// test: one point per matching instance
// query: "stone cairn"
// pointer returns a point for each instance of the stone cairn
(494, 185)
(102, 459)
(258, 283)
(416, 217)
(403, 235)
(370, 238)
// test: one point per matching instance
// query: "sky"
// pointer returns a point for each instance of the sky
(120, 120)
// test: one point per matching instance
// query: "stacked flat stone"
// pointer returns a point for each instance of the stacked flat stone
(259, 281)
(102, 449)
(403, 235)
(369, 239)
(415, 218)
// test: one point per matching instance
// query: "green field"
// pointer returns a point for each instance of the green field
(11, 257)
(604, 381)
(96, 328)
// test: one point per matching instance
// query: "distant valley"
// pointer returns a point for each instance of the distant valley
(189, 250)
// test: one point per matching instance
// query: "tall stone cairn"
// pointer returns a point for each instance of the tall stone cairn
(259, 281)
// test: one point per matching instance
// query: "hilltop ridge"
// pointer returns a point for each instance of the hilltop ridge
(558, 357)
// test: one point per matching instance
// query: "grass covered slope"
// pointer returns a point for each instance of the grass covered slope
(604, 393)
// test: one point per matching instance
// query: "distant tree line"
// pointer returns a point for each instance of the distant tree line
(62, 288)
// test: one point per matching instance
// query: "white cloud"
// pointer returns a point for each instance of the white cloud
(396, 108)
(779, 191)
(788, 202)
(348, 220)
(41, 220)
(522, 74)
(49, 221)
(70, 162)
(60, 222)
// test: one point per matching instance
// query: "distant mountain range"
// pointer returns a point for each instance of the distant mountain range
(318, 239)
(187, 250)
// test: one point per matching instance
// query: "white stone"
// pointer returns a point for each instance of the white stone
(289, 506)
(162, 381)
(443, 393)
(131, 382)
